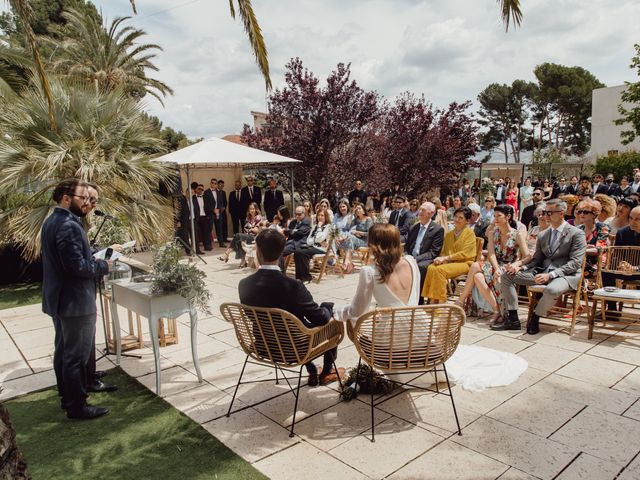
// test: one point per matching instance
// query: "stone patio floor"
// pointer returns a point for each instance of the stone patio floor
(574, 414)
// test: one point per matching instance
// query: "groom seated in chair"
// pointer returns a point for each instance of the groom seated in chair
(557, 263)
(270, 288)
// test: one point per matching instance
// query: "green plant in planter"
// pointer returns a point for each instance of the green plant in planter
(185, 279)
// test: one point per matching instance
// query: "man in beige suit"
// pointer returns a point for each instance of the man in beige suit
(557, 264)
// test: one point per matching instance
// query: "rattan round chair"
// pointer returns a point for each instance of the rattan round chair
(275, 337)
(416, 339)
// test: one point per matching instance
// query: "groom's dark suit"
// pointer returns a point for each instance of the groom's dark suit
(272, 289)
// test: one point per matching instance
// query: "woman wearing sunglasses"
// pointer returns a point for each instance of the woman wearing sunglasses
(596, 233)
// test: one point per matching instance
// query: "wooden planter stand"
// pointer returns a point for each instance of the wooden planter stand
(166, 336)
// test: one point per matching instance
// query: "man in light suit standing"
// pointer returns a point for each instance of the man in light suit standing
(557, 264)
(425, 240)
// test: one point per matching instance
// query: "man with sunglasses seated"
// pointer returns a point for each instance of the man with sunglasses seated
(557, 263)
(528, 212)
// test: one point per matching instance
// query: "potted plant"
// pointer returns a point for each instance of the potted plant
(169, 275)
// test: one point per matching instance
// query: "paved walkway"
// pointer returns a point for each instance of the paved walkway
(574, 414)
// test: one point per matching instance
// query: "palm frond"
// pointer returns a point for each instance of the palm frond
(256, 40)
(510, 12)
(25, 13)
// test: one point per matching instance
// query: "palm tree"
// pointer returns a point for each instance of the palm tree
(510, 11)
(16, 70)
(106, 58)
(100, 138)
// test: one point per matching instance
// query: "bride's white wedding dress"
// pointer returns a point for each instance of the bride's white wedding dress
(472, 367)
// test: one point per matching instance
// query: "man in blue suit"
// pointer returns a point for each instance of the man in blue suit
(69, 294)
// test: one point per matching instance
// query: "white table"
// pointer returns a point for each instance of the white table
(137, 298)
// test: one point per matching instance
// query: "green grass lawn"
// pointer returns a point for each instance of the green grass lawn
(142, 438)
(20, 294)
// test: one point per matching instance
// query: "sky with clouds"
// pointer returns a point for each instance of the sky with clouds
(447, 50)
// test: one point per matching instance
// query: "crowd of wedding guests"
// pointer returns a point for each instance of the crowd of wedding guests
(441, 232)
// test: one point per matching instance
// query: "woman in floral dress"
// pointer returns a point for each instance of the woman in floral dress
(506, 244)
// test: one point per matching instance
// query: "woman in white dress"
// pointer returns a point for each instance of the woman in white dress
(394, 281)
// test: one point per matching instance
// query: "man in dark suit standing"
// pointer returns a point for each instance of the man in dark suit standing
(358, 194)
(401, 217)
(612, 188)
(297, 235)
(235, 208)
(201, 219)
(69, 294)
(214, 215)
(501, 192)
(572, 188)
(270, 288)
(425, 240)
(598, 185)
(249, 194)
(273, 199)
(222, 207)
(561, 188)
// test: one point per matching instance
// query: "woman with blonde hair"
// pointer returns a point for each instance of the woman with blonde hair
(440, 217)
(608, 207)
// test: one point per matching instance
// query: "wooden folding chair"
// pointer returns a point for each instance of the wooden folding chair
(610, 262)
(568, 309)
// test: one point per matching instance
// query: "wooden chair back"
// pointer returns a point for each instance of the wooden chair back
(479, 245)
(277, 337)
(611, 259)
(408, 338)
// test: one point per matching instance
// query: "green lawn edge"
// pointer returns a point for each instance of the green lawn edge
(142, 437)
(20, 294)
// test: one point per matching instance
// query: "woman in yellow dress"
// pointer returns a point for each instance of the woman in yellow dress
(458, 253)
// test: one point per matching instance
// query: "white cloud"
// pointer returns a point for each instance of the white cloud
(446, 50)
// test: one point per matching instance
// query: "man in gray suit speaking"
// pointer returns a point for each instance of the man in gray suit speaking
(557, 264)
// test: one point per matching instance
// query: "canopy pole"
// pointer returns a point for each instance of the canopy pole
(293, 194)
(190, 200)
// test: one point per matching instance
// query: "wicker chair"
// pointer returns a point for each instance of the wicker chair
(610, 261)
(409, 340)
(274, 337)
(557, 312)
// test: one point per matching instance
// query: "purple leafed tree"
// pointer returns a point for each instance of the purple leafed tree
(426, 147)
(342, 133)
(327, 127)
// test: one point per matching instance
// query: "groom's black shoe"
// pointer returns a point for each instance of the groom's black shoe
(512, 322)
(533, 326)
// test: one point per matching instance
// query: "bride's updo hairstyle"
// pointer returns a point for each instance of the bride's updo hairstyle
(384, 246)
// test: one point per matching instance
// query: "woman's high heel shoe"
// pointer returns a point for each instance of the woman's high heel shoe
(224, 258)
(494, 318)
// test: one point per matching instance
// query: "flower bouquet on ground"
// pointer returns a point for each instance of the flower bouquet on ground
(172, 276)
(357, 381)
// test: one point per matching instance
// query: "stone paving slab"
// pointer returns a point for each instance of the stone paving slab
(575, 413)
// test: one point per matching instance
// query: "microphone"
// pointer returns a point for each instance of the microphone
(100, 213)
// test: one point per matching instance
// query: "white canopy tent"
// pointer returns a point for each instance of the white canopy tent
(216, 152)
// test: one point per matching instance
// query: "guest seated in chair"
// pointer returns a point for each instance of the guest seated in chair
(269, 288)
(316, 244)
(281, 219)
(596, 233)
(357, 237)
(296, 234)
(458, 253)
(556, 263)
(250, 230)
(506, 244)
(424, 241)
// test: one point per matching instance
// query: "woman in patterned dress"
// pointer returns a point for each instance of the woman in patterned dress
(506, 244)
